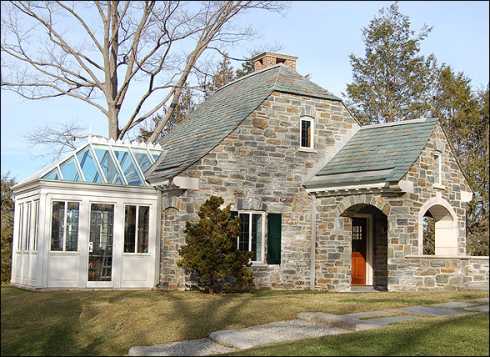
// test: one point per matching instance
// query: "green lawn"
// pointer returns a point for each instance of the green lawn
(110, 322)
(464, 336)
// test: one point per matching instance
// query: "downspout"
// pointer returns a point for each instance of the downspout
(313, 243)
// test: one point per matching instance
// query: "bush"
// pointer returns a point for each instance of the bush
(7, 226)
(211, 256)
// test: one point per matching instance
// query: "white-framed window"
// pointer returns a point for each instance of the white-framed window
(27, 229)
(36, 225)
(438, 168)
(307, 133)
(64, 226)
(20, 230)
(251, 236)
(136, 228)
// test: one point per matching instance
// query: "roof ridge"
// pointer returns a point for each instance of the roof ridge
(402, 122)
(248, 76)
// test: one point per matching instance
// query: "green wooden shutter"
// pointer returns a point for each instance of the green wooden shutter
(274, 238)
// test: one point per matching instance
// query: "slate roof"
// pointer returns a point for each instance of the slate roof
(376, 153)
(221, 113)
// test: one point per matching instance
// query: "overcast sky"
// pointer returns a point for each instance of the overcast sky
(321, 35)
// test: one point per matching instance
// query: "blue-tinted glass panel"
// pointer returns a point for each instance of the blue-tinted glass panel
(69, 170)
(128, 166)
(108, 166)
(155, 154)
(143, 159)
(89, 167)
(52, 175)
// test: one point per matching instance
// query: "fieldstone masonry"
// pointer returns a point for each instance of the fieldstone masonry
(259, 166)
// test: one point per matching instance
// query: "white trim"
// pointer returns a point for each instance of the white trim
(434, 201)
(419, 120)
(311, 120)
(369, 246)
(262, 243)
(348, 187)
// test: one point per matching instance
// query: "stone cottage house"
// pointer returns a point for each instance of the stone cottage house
(323, 203)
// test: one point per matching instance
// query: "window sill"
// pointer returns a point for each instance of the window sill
(262, 264)
(438, 186)
(307, 150)
(58, 252)
(136, 254)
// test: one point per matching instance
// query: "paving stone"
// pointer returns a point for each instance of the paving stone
(433, 311)
(381, 322)
(455, 304)
(201, 347)
(340, 321)
(481, 300)
(374, 314)
(479, 308)
(282, 331)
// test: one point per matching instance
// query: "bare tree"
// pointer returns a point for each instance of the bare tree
(103, 53)
(60, 139)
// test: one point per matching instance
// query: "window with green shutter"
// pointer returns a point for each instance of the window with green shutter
(274, 222)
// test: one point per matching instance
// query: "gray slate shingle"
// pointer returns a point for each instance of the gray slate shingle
(221, 113)
(376, 153)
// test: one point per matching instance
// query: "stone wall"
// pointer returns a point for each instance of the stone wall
(260, 166)
(433, 272)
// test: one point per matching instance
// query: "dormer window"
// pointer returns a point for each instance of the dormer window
(307, 130)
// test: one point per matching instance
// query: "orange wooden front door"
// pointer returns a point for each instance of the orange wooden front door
(359, 244)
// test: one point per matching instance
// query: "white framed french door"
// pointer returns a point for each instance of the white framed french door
(100, 246)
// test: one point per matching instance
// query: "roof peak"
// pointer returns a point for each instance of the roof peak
(403, 122)
(250, 75)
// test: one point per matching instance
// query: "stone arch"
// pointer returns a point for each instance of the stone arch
(376, 201)
(446, 226)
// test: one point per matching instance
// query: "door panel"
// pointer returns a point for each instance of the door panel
(100, 243)
(359, 245)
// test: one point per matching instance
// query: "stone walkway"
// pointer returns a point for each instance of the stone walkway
(307, 325)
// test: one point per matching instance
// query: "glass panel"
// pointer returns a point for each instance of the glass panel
(155, 154)
(21, 227)
(27, 238)
(100, 243)
(52, 175)
(143, 159)
(130, 229)
(108, 166)
(36, 224)
(305, 133)
(57, 225)
(128, 166)
(72, 217)
(143, 226)
(69, 170)
(89, 167)
(244, 232)
(257, 236)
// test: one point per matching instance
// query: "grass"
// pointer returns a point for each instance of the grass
(110, 322)
(464, 336)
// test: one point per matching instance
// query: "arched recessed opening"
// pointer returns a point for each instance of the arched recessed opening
(438, 231)
(369, 233)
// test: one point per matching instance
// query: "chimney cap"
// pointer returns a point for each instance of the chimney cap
(273, 54)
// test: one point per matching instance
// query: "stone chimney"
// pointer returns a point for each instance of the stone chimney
(268, 59)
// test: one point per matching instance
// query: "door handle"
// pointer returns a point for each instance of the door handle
(90, 247)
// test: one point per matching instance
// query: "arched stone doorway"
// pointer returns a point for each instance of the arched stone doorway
(367, 227)
(445, 228)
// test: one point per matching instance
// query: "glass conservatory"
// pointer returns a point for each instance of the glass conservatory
(89, 220)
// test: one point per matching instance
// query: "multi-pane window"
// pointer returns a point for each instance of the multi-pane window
(36, 226)
(438, 168)
(64, 226)
(307, 132)
(27, 231)
(251, 235)
(136, 229)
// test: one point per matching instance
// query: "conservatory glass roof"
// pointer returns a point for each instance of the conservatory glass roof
(102, 161)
